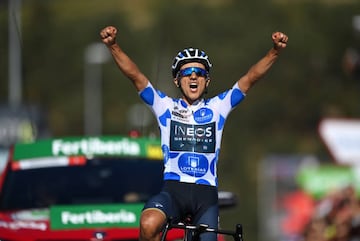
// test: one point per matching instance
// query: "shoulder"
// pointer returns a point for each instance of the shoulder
(234, 95)
(149, 94)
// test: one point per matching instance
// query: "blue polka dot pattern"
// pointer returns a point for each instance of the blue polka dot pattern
(171, 176)
(202, 181)
(236, 97)
(191, 135)
(174, 154)
(223, 95)
(183, 103)
(164, 117)
(147, 95)
(166, 152)
(221, 122)
(161, 94)
(213, 163)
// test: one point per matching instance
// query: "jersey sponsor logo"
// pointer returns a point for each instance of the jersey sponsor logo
(193, 164)
(203, 115)
(182, 114)
(194, 138)
(177, 114)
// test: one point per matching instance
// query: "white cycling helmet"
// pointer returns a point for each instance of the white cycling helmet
(190, 55)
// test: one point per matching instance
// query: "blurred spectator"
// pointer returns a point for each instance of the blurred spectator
(337, 218)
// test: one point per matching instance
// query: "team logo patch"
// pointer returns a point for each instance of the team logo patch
(203, 115)
(193, 164)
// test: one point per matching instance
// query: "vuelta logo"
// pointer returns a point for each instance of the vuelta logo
(193, 164)
(203, 115)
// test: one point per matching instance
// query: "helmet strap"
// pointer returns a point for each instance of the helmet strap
(178, 81)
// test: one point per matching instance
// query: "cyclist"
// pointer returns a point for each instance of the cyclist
(191, 128)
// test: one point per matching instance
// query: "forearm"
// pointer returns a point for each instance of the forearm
(128, 67)
(258, 70)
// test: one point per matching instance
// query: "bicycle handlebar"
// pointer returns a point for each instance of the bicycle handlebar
(201, 228)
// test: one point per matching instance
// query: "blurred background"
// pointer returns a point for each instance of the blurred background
(57, 79)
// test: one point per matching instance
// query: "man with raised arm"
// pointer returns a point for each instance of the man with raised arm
(191, 128)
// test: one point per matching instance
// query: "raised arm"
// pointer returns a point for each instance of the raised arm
(125, 64)
(258, 70)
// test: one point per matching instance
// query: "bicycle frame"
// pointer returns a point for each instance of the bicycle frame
(196, 230)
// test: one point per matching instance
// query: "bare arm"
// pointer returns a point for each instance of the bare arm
(258, 70)
(124, 63)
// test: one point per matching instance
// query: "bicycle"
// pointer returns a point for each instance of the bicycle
(192, 232)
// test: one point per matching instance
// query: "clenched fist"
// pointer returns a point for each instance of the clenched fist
(280, 40)
(108, 35)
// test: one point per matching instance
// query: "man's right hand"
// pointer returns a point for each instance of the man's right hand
(108, 35)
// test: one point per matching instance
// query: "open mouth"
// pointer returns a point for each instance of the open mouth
(193, 86)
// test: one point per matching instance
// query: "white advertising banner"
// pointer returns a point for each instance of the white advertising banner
(342, 138)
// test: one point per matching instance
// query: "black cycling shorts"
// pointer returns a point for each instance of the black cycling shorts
(179, 199)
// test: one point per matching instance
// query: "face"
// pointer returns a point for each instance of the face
(192, 85)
